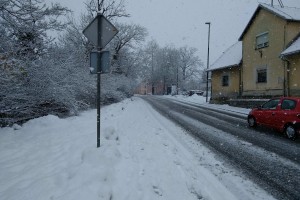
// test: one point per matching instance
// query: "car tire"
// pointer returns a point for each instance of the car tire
(252, 122)
(290, 132)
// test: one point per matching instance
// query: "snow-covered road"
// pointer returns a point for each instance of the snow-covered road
(142, 156)
(263, 154)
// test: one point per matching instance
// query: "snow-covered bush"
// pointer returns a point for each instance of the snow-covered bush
(41, 76)
(116, 87)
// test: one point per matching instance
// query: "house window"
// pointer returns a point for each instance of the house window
(262, 40)
(261, 75)
(225, 80)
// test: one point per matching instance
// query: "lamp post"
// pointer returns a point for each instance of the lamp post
(177, 80)
(208, 23)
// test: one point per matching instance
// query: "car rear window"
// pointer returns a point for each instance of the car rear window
(288, 104)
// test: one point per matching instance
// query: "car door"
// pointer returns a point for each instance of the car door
(268, 112)
(285, 113)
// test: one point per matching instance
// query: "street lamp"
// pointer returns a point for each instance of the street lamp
(208, 23)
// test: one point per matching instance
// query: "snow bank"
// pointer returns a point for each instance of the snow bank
(201, 100)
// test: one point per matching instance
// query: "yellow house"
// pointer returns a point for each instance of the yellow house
(271, 65)
(226, 74)
(292, 58)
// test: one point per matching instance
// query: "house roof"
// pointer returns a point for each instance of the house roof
(293, 48)
(286, 13)
(230, 58)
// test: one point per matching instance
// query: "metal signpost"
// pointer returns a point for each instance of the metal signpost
(104, 66)
(100, 32)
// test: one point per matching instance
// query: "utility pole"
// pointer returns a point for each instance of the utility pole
(208, 23)
(177, 80)
(152, 78)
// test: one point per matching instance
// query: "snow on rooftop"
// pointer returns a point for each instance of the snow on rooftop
(295, 47)
(289, 13)
(231, 57)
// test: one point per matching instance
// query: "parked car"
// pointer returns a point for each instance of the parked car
(198, 92)
(282, 114)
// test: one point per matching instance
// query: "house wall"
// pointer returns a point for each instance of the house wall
(294, 75)
(292, 30)
(230, 91)
(143, 88)
(280, 34)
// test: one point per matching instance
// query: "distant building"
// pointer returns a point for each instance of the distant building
(146, 88)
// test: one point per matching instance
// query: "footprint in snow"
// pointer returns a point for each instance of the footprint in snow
(176, 162)
(157, 190)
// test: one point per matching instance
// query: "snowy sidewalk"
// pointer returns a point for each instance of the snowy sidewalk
(200, 100)
(143, 156)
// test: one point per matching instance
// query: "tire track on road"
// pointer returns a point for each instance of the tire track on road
(249, 151)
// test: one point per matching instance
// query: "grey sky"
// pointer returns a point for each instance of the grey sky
(182, 22)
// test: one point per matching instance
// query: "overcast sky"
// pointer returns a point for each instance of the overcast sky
(182, 22)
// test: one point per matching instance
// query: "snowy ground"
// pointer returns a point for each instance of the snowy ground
(199, 100)
(143, 156)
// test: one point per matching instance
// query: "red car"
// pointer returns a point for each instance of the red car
(282, 114)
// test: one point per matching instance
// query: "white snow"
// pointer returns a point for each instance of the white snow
(200, 100)
(289, 13)
(231, 57)
(143, 156)
(295, 47)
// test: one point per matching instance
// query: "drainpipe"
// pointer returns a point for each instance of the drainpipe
(286, 82)
(285, 67)
(240, 81)
(288, 77)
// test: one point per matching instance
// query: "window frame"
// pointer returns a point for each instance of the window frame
(224, 83)
(262, 40)
(260, 79)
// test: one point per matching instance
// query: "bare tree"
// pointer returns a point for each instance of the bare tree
(129, 36)
(190, 63)
(170, 66)
(111, 9)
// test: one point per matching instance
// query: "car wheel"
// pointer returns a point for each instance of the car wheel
(251, 122)
(290, 132)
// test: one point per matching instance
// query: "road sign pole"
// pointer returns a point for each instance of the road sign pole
(98, 105)
(100, 32)
(98, 83)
